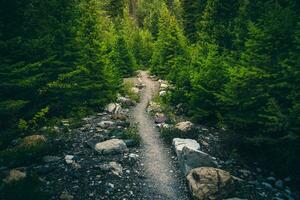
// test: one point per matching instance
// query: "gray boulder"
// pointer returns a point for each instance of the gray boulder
(179, 143)
(190, 156)
(113, 146)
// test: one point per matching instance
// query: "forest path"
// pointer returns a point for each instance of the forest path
(161, 178)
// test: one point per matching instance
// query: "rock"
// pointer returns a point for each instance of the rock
(69, 159)
(162, 81)
(106, 124)
(48, 159)
(184, 126)
(66, 196)
(125, 101)
(267, 185)
(87, 119)
(135, 90)
(153, 107)
(235, 199)
(131, 143)
(189, 155)
(119, 116)
(164, 125)
(110, 185)
(271, 179)
(206, 183)
(75, 165)
(116, 168)
(164, 86)
(160, 118)
(191, 158)
(133, 156)
(113, 146)
(279, 184)
(162, 93)
(113, 108)
(14, 176)
(245, 172)
(179, 143)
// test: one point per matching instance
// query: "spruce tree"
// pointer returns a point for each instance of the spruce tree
(170, 46)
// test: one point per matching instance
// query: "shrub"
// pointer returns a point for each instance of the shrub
(28, 188)
(30, 148)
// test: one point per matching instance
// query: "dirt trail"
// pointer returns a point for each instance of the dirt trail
(162, 182)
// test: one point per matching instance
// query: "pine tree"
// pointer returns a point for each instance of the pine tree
(115, 8)
(215, 25)
(122, 58)
(192, 11)
(170, 46)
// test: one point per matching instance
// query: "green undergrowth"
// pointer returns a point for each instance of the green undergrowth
(132, 133)
(166, 108)
(28, 150)
(126, 91)
(168, 134)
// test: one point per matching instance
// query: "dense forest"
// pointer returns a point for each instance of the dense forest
(234, 64)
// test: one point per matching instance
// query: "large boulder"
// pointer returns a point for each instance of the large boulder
(190, 156)
(206, 183)
(179, 143)
(160, 118)
(184, 126)
(113, 146)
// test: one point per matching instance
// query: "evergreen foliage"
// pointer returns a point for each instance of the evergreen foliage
(56, 55)
(240, 71)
